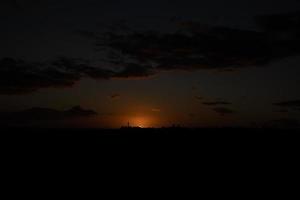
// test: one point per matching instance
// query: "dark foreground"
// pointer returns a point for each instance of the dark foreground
(143, 132)
(174, 136)
(209, 147)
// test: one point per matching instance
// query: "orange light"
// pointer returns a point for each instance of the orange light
(142, 122)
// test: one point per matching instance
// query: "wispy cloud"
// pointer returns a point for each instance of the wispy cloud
(289, 105)
(216, 103)
(224, 111)
(42, 114)
(115, 96)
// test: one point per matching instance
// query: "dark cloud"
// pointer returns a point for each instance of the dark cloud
(78, 111)
(223, 111)
(18, 76)
(283, 32)
(219, 48)
(282, 111)
(132, 70)
(216, 103)
(289, 104)
(82, 68)
(22, 77)
(293, 105)
(115, 96)
(43, 114)
(142, 54)
(281, 23)
(195, 46)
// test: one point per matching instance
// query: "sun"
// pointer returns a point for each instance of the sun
(142, 122)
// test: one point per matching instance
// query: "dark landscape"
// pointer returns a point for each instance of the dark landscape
(140, 136)
(213, 149)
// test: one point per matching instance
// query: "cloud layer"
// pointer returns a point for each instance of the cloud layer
(216, 103)
(22, 77)
(290, 105)
(223, 111)
(141, 54)
(195, 46)
(44, 114)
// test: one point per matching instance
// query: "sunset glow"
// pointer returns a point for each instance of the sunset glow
(158, 63)
(142, 122)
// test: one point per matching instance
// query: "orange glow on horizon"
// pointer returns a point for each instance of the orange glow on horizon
(140, 121)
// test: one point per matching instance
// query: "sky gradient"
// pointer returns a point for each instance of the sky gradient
(156, 63)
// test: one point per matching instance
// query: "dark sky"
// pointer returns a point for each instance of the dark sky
(93, 63)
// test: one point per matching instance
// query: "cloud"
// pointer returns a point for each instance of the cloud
(216, 103)
(115, 96)
(142, 54)
(23, 77)
(213, 103)
(219, 48)
(280, 23)
(292, 105)
(223, 111)
(202, 47)
(132, 70)
(19, 77)
(220, 110)
(44, 114)
(82, 68)
(194, 46)
(282, 111)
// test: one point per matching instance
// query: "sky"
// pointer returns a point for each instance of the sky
(159, 63)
